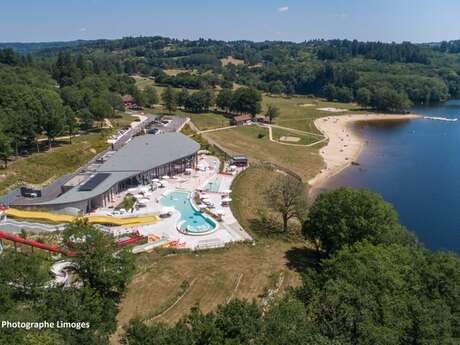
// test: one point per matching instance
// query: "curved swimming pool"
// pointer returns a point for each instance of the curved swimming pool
(191, 221)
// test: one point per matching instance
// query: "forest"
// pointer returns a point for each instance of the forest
(53, 89)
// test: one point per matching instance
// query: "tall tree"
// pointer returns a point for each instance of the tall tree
(246, 100)
(287, 196)
(182, 97)
(169, 99)
(70, 122)
(272, 112)
(345, 216)
(151, 96)
(5, 147)
(53, 121)
(100, 264)
(224, 99)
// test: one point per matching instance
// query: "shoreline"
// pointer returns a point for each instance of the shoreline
(344, 144)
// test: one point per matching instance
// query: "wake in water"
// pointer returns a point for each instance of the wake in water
(440, 118)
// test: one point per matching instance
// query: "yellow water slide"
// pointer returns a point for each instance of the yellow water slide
(63, 218)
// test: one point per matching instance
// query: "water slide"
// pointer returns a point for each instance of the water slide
(149, 246)
(63, 218)
(59, 270)
(35, 244)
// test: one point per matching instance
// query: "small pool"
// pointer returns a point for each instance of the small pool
(213, 186)
(191, 221)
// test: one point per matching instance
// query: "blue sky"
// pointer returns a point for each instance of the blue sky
(294, 20)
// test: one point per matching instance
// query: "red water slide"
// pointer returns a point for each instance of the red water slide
(18, 239)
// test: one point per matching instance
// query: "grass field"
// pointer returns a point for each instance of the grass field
(299, 112)
(39, 168)
(213, 276)
(304, 138)
(250, 207)
(253, 141)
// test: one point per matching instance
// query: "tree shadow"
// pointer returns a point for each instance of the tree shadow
(300, 259)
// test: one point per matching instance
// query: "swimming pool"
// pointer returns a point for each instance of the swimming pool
(191, 221)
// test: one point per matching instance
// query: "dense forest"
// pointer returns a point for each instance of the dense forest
(52, 89)
(337, 69)
(55, 88)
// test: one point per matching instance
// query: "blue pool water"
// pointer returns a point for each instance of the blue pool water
(191, 220)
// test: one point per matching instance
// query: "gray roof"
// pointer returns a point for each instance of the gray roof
(142, 153)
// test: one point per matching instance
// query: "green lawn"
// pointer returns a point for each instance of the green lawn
(63, 158)
(299, 112)
(305, 138)
(254, 142)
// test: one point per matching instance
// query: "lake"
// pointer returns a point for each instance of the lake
(415, 165)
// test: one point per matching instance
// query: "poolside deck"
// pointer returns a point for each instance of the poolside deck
(228, 230)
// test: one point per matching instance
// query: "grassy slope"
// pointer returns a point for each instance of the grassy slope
(215, 274)
(39, 168)
(304, 161)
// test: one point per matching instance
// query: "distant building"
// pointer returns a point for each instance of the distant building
(137, 163)
(239, 161)
(242, 119)
(261, 118)
(129, 102)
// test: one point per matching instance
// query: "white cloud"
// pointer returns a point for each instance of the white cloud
(82, 29)
(283, 9)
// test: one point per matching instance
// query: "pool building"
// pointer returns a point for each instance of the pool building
(138, 162)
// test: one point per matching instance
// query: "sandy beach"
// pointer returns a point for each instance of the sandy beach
(344, 145)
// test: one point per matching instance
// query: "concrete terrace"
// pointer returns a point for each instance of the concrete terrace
(228, 229)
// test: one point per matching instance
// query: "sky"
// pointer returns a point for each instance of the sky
(257, 20)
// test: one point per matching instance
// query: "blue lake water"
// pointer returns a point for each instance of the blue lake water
(415, 165)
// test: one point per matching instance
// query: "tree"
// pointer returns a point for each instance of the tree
(116, 101)
(272, 112)
(182, 97)
(169, 99)
(287, 196)
(100, 264)
(151, 95)
(246, 100)
(70, 122)
(345, 216)
(385, 294)
(100, 109)
(363, 97)
(5, 147)
(53, 122)
(139, 97)
(86, 118)
(387, 99)
(224, 100)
